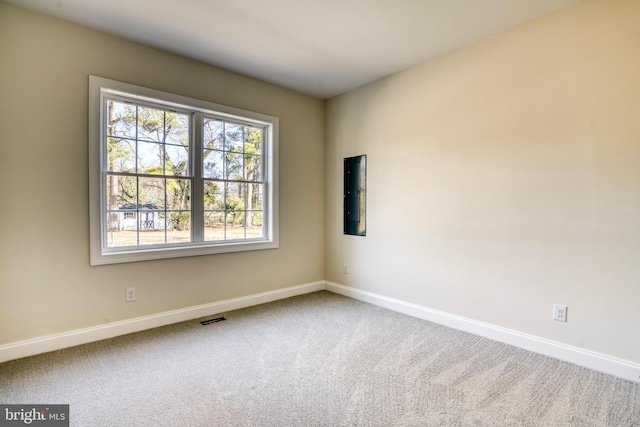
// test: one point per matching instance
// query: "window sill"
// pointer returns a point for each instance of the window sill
(120, 256)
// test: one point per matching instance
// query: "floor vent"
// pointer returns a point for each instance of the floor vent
(216, 320)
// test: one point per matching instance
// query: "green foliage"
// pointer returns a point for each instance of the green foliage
(234, 204)
(152, 122)
(179, 221)
(153, 170)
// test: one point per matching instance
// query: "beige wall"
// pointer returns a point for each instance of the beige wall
(46, 283)
(503, 178)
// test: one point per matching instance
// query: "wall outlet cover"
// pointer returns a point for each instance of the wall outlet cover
(560, 312)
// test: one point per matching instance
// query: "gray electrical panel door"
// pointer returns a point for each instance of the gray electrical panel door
(355, 201)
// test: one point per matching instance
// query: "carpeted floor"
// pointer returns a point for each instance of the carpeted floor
(316, 360)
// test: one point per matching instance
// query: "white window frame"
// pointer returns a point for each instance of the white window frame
(100, 253)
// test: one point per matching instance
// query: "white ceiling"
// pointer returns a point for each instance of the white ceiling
(318, 47)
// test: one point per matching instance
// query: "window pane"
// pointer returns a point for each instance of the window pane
(111, 195)
(213, 195)
(254, 224)
(150, 157)
(213, 164)
(151, 237)
(151, 225)
(119, 238)
(178, 227)
(213, 135)
(254, 197)
(214, 226)
(122, 192)
(253, 141)
(176, 160)
(123, 225)
(151, 193)
(121, 155)
(178, 194)
(252, 168)
(233, 138)
(235, 225)
(121, 119)
(234, 166)
(235, 196)
(150, 124)
(177, 129)
(112, 221)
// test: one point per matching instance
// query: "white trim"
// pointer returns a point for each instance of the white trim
(100, 254)
(589, 359)
(578, 356)
(95, 333)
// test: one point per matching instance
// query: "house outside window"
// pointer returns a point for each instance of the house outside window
(172, 176)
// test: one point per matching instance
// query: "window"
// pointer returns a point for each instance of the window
(172, 176)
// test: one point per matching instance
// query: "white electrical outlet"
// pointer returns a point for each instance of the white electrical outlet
(560, 312)
(130, 294)
(345, 269)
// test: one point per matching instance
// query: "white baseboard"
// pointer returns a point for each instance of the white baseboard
(585, 358)
(95, 333)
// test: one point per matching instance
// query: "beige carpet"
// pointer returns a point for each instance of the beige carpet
(316, 360)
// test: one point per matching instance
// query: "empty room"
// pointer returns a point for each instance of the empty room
(320, 213)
